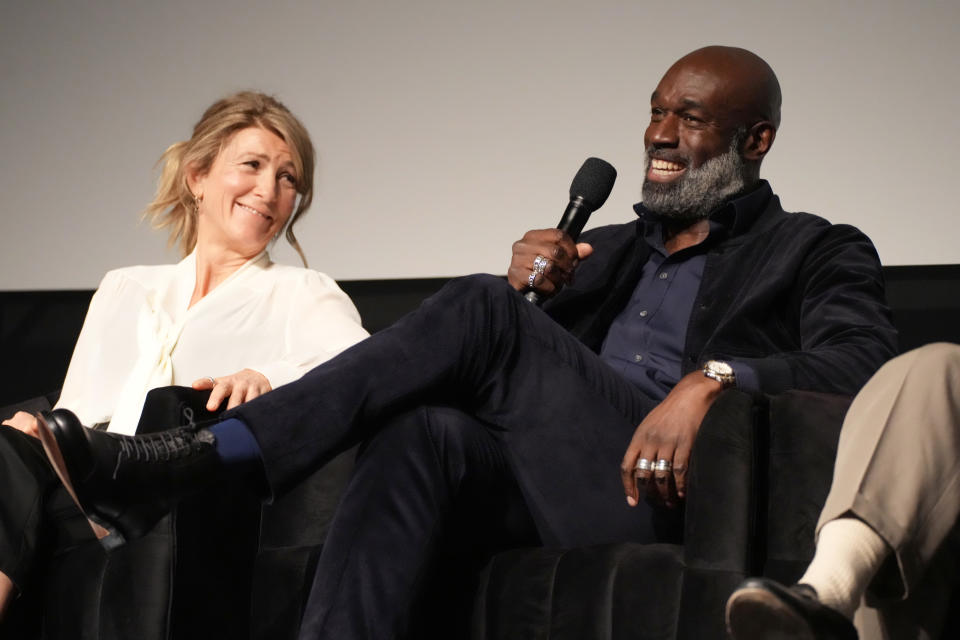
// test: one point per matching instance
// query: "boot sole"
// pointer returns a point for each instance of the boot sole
(758, 614)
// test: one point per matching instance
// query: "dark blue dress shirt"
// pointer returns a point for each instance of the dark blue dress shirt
(646, 340)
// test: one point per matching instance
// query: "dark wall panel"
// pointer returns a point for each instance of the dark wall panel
(38, 328)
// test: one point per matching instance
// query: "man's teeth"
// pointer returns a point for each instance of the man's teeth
(252, 210)
(665, 165)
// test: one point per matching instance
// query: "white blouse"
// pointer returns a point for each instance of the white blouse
(139, 334)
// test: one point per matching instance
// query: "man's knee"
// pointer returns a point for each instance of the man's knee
(452, 430)
(437, 432)
(446, 436)
(402, 436)
(939, 357)
(480, 286)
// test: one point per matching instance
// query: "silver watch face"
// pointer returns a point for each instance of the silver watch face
(721, 367)
(720, 371)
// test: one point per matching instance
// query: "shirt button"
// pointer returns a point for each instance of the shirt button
(643, 314)
(663, 275)
(638, 358)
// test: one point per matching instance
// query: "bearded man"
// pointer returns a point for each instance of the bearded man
(480, 403)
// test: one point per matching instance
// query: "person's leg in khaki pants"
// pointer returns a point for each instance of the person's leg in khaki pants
(898, 471)
(888, 528)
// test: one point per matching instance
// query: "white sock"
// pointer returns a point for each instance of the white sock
(849, 553)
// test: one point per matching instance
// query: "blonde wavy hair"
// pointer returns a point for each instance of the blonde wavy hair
(174, 206)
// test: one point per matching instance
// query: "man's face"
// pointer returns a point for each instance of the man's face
(693, 156)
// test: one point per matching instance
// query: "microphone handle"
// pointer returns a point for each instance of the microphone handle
(574, 218)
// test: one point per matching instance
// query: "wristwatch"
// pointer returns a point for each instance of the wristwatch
(720, 371)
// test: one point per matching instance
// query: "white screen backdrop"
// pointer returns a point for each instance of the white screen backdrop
(447, 128)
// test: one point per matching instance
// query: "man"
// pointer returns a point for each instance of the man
(481, 393)
(888, 529)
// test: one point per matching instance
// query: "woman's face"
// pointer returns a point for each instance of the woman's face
(248, 193)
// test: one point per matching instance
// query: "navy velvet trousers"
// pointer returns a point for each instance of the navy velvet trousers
(477, 393)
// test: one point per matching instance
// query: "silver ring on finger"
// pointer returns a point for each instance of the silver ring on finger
(531, 279)
(644, 465)
(664, 465)
(540, 264)
(212, 379)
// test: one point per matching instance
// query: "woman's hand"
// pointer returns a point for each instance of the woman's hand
(25, 422)
(238, 387)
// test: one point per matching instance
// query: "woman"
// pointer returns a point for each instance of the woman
(225, 318)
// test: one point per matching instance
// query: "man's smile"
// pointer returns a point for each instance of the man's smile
(664, 170)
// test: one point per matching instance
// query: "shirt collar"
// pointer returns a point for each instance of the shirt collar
(734, 216)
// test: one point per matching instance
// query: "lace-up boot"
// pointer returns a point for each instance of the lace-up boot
(128, 483)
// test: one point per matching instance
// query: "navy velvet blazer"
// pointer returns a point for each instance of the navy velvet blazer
(797, 298)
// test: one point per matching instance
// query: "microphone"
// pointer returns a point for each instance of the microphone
(588, 192)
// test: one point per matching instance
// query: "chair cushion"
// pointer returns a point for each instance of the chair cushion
(616, 592)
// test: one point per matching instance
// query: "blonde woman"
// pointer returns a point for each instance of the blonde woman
(225, 318)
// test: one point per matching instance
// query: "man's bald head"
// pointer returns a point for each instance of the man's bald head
(753, 88)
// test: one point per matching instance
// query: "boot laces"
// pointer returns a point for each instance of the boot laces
(157, 447)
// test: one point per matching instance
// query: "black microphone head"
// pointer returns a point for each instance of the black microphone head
(593, 182)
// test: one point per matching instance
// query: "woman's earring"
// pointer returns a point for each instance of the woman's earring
(196, 202)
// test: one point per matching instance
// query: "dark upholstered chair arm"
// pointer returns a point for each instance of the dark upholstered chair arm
(761, 468)
(721, 493)
(803, 429)
(760, 472)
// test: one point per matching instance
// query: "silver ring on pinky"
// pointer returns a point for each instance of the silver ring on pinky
(211, 379)
(664, 465)
(531, 279)
(644, 465)
(540, 264)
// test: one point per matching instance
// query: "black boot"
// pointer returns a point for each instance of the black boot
(127, 483)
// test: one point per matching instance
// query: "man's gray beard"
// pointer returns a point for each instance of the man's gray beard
(701, 190)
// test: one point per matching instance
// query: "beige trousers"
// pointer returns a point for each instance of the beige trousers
(898, 470)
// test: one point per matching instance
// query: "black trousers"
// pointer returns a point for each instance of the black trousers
(40, 523)
(38, 519)
(558, 418)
